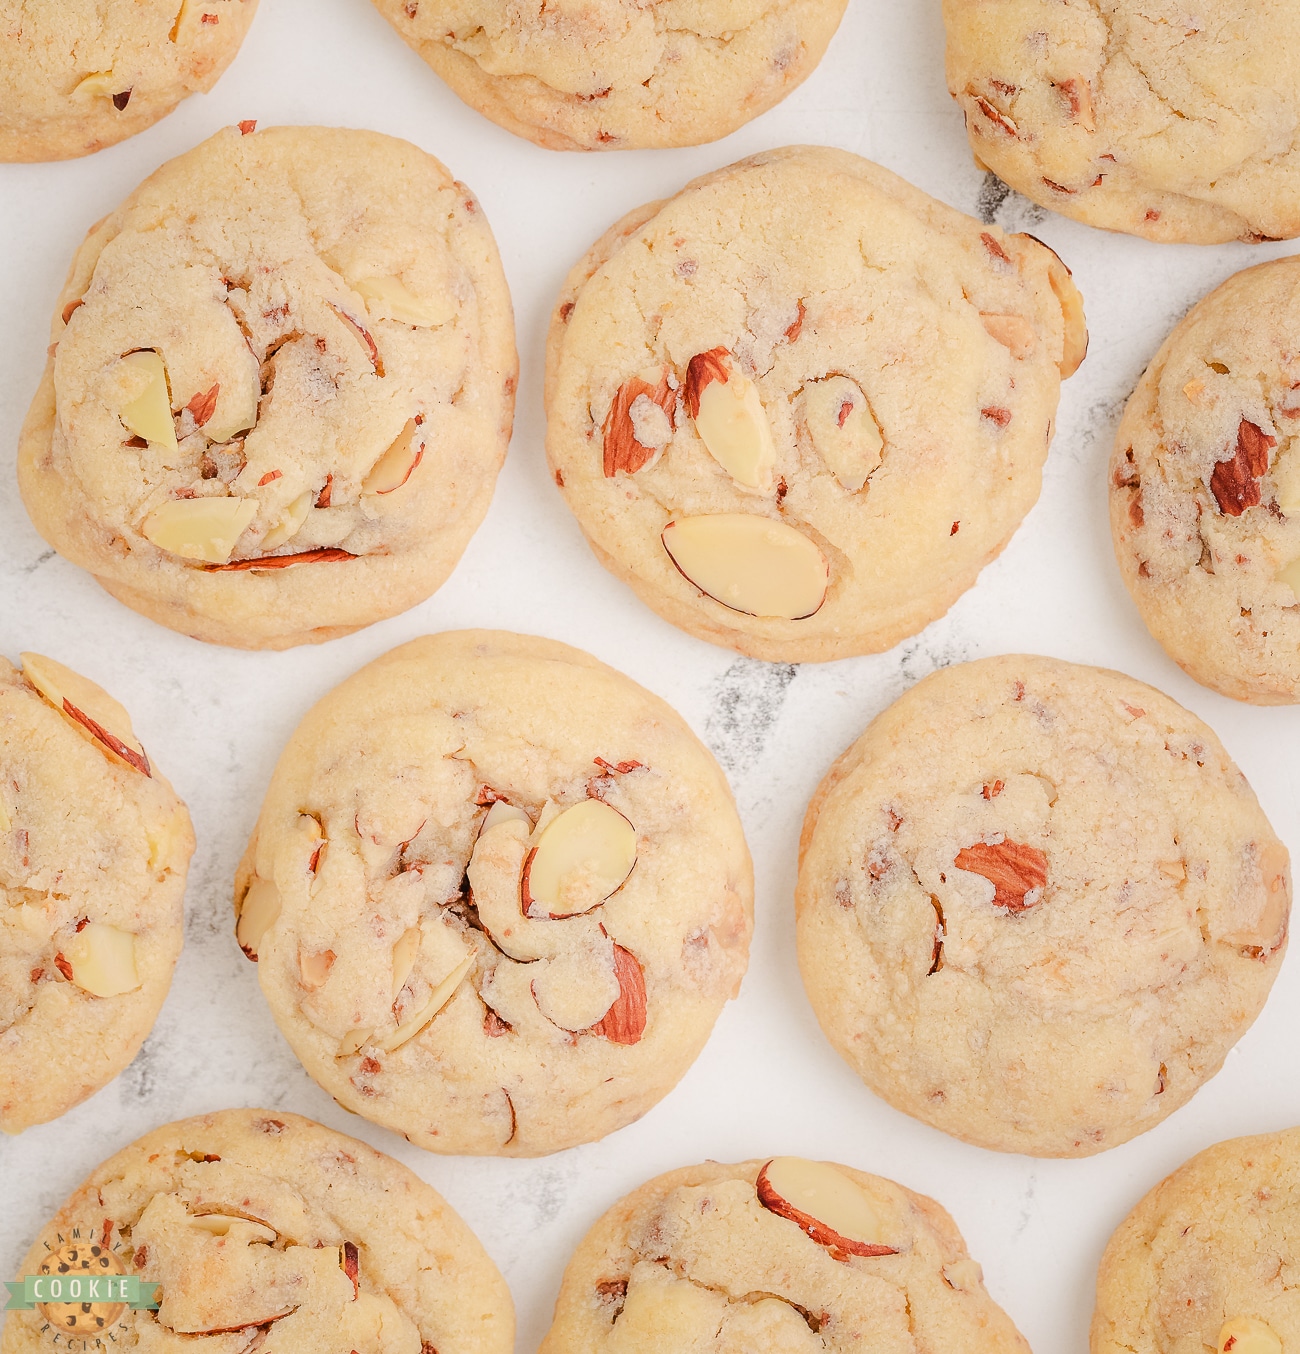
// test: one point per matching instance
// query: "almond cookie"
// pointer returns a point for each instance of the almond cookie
(775, 1257)
(1205, 489)
(94, 849)
(1175, 122)
(280, 388)
(267, 1232)
(1205, 1261)
(79, 75)
(618, 74)
(799, 406)
(1037, 905)
(498, 895)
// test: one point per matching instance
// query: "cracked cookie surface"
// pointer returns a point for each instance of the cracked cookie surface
(1205, 489)
(277, 398)
(80, 75)
(269, 1232)
(1037, 905)
(800, 405)
(94, 849)
(1154, 117)
(694, 1261)
(1206, 1260)
(609, 74)
(498, 895)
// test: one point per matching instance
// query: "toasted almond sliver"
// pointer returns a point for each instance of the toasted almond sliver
(583, 856)
(290, 524)
(842, 429)
(398, 463)
(149, 415)
(388, 298)
(734, 427)
(103, 960)
(757, 565)
(831, 1208)
(440, 996)
(206, 529)
(259, 911)
(1014, 332)
(89, 707)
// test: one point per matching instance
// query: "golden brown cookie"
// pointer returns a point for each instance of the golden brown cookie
(497, 894)
(94, 850)
(280, 388)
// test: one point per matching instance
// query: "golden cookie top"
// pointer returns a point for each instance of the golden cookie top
(497, 895)
(94, 848)
(281, 385)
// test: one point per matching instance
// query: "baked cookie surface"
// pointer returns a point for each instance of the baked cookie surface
(79, 75)
(94, 849)
(1170, 121)
(1204, 1261)
(610, 74)
(1037, 905)
(800, 405)
(1205, 488)
(268, 1231)
(726, 1258)
(281, 387)
(498, 895)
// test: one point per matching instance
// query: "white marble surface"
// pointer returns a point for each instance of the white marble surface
(216, 719)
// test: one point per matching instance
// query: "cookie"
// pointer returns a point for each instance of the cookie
(498, 895)
(268, 1231)
(799, 406)
(94, 849)
(1174, 122)
(280, 388)
(1205, 489)
(1037, 905)
(618, 74)
(783, 1255)
(1204, 1261)
(80, 75)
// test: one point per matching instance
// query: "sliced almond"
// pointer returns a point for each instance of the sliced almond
(1290, 575)
(730, 419)
(825, 1204)
(1074, 344)
(353, 1041)
(103, 960)
(639, 424)
(1017, 872)
(290, 522)
(206, 529)
(1014, 332)
(583, 856)
(842, 429)
(99, 84)
(258, 912)
(1247, 1335)
(439, 997)
(757, 565)
(398, 463)
(165, 839)
(404, 953)
(313, 969)
(149, 414)
(243, 1229)
(388, 298)
(90, 707)
(501, 811)
(625, 1021)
